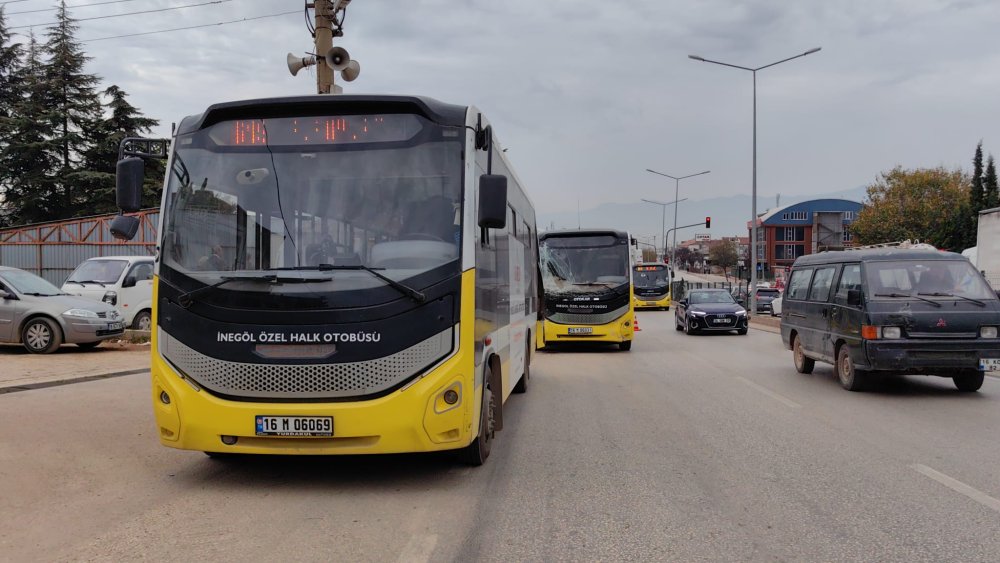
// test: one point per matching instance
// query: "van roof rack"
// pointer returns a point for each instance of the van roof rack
(908, 243)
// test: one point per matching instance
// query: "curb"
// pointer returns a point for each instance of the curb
(61, 382)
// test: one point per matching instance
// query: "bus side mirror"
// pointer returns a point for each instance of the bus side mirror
(854, 297)
(124, 227)
(492, 201)
(129, 174)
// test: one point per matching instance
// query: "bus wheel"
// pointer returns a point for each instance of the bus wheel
(476, 453)
(625, 345)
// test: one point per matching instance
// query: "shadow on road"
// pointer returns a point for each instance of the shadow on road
(899, 386)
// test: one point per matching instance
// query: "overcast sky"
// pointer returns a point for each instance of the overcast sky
(586, 94)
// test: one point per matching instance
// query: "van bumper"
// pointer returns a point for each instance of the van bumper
(928, 356)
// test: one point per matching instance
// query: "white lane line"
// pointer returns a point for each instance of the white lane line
(418, 549)
(780, 398)
(958, 486)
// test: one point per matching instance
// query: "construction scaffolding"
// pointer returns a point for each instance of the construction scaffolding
(53, 250)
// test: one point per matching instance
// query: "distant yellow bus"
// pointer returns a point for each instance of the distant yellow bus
(587, 282)
(651, 284)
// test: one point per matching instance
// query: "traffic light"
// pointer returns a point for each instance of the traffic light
(708, 222)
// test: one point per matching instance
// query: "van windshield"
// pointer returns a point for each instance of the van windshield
(99, 271)
(939, 278)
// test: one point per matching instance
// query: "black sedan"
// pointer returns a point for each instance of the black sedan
(712, 310)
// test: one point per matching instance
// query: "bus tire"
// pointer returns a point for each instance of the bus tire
(475, 454)
(625, 345)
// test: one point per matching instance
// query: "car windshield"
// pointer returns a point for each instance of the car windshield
(383, 192)
(583, 264)
(936, 278)
(28, 283)
(699, 297)
(101, 271)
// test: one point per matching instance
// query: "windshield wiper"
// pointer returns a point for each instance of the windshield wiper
(37, 294)
(402, 288)
(186, 299)
(941, 294)
(86, 281)
(931, 301)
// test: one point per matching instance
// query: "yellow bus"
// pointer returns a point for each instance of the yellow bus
(337, 275)
(587, 282)
(652, 286)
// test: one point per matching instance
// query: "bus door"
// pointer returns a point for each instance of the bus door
(518, 324)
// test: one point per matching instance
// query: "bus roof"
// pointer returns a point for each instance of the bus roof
(582, 233)
(292, 106)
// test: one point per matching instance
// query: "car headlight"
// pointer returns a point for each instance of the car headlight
(988, 332)
(741, 312)
(82, 313)
(699, 313)
(892, 332)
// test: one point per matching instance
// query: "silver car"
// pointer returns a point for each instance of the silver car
(39, 315)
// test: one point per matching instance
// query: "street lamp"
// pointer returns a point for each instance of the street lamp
(752, 293)
(663, 223)
(677, 187)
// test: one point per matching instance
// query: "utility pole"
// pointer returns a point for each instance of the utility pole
(324, 41)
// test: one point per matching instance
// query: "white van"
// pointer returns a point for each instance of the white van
(125, 282)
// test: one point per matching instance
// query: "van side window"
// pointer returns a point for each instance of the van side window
(142, 272)
(798, 285)
(820, 290)
(850, 279)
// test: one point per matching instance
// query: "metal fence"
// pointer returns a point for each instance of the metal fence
(53, 250)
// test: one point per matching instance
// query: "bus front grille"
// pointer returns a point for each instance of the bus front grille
(308, 381)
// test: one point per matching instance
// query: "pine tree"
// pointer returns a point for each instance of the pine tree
(28, 157)
(74, 106)
(10, 95)
(99, 161)
(990, 196)
(976, 194)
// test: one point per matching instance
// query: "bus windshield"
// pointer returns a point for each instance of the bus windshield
(583, 264)
(379, 191)
(651, 277)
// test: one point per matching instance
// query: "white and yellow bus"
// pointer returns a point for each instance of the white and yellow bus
(587, 282)
(651, 286)
(338, 275)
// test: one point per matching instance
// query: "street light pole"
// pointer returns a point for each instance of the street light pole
(677, 188)
(663, 222)
(752, 292)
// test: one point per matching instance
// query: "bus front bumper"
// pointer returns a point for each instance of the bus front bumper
(662, 303)
(618, 330)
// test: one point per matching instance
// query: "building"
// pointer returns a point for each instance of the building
(807, 227)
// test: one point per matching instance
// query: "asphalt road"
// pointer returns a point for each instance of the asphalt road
(687, 448)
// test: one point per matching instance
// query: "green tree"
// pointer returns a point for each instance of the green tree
(926, 204)
(96, 180)
(976, 192)
(990, 199)
(724, 254)
(74, 106)
(27, 156)
(10, 95)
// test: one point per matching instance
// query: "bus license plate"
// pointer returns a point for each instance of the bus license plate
(989, 364)
(294, 425)
(581, 330)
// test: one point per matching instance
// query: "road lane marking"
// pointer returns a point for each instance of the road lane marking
(418, 549)
(780, 398)
(958, 486)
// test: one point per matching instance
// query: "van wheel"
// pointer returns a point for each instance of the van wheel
(969, 382)
(142, 321)
(802, 363)
(41, 336)
(625, 345)
(476, 453)
(850, 378)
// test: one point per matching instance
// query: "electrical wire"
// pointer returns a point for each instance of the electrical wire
(125, 14)
(67, 7)
(190, 27)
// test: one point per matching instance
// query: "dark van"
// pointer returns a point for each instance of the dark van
(890, 311)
